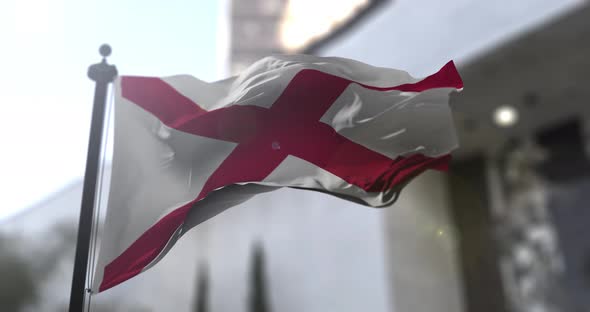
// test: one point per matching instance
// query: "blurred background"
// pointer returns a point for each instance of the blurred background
(507, 229)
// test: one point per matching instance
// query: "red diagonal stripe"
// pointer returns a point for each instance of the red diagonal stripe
(247, 163)
(160, 99)
(144, 250)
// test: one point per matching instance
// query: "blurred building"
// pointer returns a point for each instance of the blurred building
(518, 177)
(504, 230)
(254, 31)
(489, 236)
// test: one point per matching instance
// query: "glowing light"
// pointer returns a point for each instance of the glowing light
(505, 116)
(307, 20)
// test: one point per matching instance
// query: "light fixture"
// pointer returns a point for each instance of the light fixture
(505, 116)
(306, 21)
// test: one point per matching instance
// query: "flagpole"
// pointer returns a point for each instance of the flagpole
(103, 74)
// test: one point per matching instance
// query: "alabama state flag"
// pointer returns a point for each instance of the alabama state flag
(186, 150)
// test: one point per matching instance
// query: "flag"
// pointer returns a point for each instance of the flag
(186, 150)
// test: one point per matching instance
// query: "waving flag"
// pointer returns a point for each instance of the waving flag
(185, 150)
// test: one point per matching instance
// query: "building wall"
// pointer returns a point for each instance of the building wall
(321, 253)
(422, 251)
(254, 31)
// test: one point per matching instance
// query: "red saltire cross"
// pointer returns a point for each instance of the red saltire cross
(265, 138)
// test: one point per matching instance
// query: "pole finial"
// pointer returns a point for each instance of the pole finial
(103, 72)
(105, 50)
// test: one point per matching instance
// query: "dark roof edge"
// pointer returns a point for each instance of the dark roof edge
(505, 44)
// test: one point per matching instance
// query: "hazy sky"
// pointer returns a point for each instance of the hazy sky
(46, 98)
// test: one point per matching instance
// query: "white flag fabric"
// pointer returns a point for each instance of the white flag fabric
(185, 150)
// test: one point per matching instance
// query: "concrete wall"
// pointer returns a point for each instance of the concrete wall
(422, 248)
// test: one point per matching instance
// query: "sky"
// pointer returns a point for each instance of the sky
(46, 97)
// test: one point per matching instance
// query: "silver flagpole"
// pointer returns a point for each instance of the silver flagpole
(103, 74)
